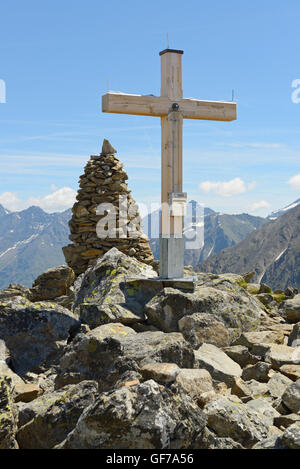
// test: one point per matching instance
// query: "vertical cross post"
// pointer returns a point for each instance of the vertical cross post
(171, 236)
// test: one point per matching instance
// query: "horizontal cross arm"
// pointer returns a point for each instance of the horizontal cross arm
(160, 106)
(208, 110)
(138, 105)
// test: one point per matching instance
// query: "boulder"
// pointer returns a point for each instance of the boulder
(291, 397)
(294, 337)
(8, 415)
(53, 283)
(26, 392)
(160, 372)
(235, 309)
(219, 365)
(291, 437)
(259, 372)
(277, 385)
(34, 332)
(50, 418)
(291, 371)
(292, 309)
(262, 406)
(210, 440)
(145, 416)
(248, 390)
(279, 355)
(237, 421)
(105, 358)
(194, 382)
(102, 295)
(201, 328)
(241, 355)
(249, 339)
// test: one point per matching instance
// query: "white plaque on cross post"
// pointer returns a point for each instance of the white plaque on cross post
(172, 108)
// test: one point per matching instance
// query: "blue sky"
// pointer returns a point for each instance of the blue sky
(56, 58)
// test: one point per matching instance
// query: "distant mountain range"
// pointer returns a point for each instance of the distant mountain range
(272, 251)
(278, 213)
(220, 231)
(31, 242)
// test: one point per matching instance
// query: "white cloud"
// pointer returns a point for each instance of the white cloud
(9, 200)
(58, 201)
(225, 188)
(295, 182)
(259, 206)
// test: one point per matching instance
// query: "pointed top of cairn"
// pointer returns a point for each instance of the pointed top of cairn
(107, 148)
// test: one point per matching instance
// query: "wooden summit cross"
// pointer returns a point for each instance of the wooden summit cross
(172, 108)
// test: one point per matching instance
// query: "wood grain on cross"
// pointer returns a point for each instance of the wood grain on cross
(172, 108)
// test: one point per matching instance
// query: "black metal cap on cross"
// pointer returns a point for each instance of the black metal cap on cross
(172, 108)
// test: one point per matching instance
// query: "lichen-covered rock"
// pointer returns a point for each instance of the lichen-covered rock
(235, 309)
(234, 420)
(53, 283)
(262, 406)
(104, 182)
(47, 420)
(8, 415)
(33, 332)
(145, 416)
(219, 365)
(102, 295)
(105, 358)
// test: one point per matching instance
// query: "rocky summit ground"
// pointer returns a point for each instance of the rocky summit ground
(112, 360)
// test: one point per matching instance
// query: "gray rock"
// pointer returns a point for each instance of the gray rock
(248, 390)
(194, 382)
(294, 337)
(201, 328)
(292, 309)
(146, 416)
(241, 355)
(53, 415)
(53, 283)
(219, 365)
(34, 332)
(102, 295)
(278, 384)
(291, 437)
(234, 420)
(259, 372)
(279, 355)
(262, 406)
(210, 440)
(249, 339)
(105, 358)
(291, 397)
(236, 310)
(107, 148)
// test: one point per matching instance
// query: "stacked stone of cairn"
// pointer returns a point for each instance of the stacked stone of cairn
(103, 182)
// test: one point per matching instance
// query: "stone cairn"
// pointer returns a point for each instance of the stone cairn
(103, 182)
